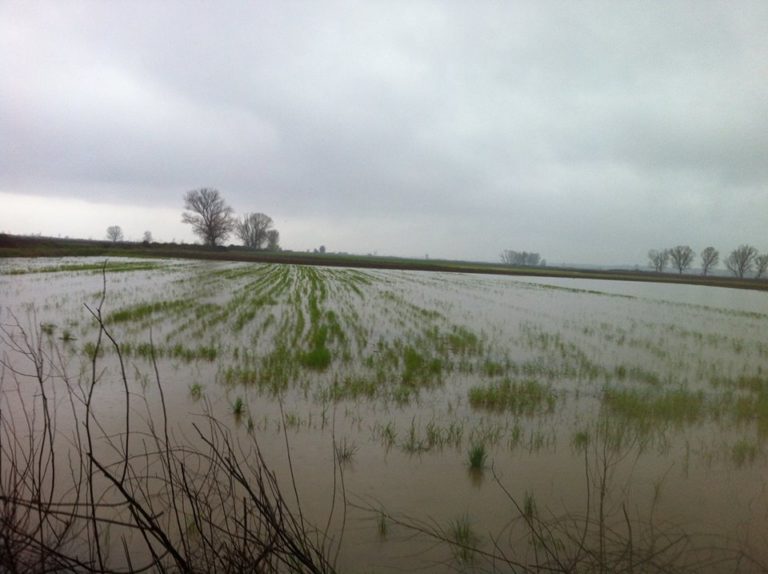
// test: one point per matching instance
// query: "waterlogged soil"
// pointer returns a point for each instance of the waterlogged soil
(657, 394)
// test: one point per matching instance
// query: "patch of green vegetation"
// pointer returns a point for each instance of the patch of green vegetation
(744, 452)
(413, 443)
(464, 540)
(238, 407)
(318, 358)
(201, 352)
(673, 405)
(351, 387)
(178, 351)
(494, 369)
(580, 440)
(477, 457)
(143, 310)
(529, 506)
(745, 398)
(526, 397)
(240, 375)
(278, 368)
(418, 368)
(47, 328)
(441, 436)
(196, 391)
(345, 451)
(752, 383)
(432, 436)
(386, 434)
(635, 373)
(92, 267)
(89, 350)
(463, 341)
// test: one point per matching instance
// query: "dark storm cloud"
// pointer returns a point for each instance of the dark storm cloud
(546, 126)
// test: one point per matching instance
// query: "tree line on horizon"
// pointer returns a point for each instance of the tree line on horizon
(741, 261)
(522, 258)
(213, 221)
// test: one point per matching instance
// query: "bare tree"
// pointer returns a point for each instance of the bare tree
(682, 257)
(524, 258)
(658, 259)
(741, 260)
(114, 233)
(710, 257)
(253, 228)
(761, 265)
(147, 237)
(273, 240)
(211, 218)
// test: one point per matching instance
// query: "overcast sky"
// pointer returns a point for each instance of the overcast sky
(589, 132)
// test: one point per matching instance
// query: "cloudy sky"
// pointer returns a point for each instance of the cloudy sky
(589, 132)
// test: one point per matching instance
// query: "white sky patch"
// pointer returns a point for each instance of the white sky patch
(64, 217)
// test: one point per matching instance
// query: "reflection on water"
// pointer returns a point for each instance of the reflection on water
(627, 415)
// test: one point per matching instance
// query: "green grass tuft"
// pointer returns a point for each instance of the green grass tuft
(238, 407)
(48, 328)
(317, 359)
(527, 397)
(477, 457)
(345, 451)
(675, 406)
(464, 540)
(743, 452)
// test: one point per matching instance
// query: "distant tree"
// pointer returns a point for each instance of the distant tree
(273, 240)
(761, 265)
(710, 257)
(321, 249)
(682, 256)
(741, 260)
(253, 228)
(658, 259)
(211, 218)
(114, 233)
(523, 258)
(147, 237)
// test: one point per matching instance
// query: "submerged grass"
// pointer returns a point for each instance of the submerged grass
(178, 351)
(113, 267)
(318, 358)
(345, 451)
(477, 457)
(527, 397)
(238, 407)
(744, 452)
(419, 368)
(351, 387)
(671, 405)
(143, 310)
(464, 540)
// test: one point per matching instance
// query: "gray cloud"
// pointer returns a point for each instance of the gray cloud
(586, 131)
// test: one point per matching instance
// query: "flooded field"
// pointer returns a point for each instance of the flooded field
(433, 421)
